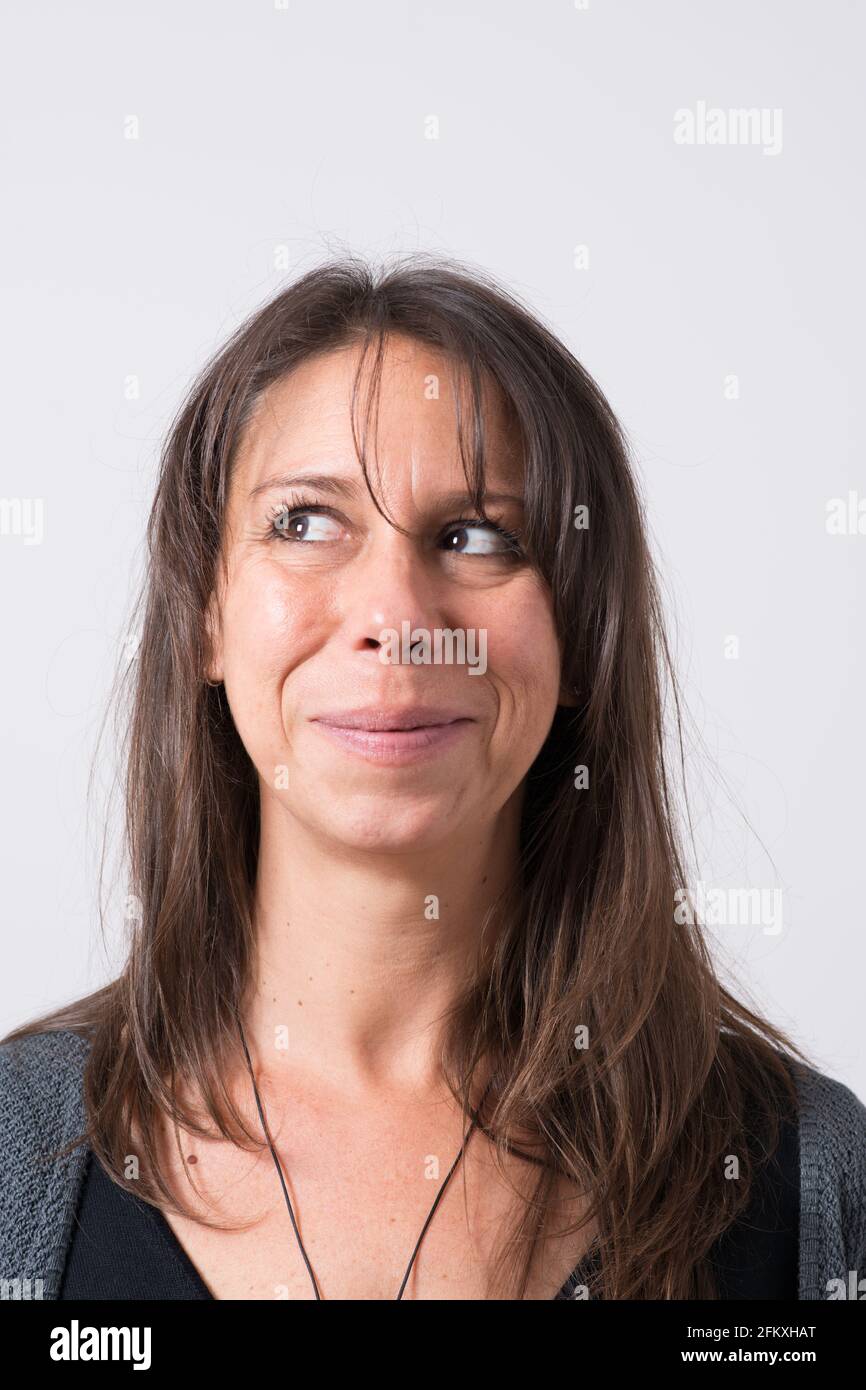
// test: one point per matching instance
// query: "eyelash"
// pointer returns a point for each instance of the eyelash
(300, 505)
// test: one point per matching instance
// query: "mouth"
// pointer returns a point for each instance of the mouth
(394, 737)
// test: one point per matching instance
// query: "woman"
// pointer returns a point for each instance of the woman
(408, 1009)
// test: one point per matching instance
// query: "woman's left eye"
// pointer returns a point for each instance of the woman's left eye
(499, 541)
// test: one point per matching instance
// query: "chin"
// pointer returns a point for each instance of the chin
(373, 824)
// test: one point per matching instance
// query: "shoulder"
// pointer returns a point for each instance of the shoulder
(40, 1081)
(22, 1059)
(41, 1111)
(832, 1126)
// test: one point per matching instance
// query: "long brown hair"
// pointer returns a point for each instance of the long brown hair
(678, 1075)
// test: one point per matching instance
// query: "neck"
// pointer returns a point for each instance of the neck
(359, 955)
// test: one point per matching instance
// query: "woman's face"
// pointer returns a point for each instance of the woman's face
(302, 615)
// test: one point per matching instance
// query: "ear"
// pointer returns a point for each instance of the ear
(214, 667)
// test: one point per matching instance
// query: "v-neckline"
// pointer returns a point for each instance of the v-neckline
(109, 1193)
(565, 1292)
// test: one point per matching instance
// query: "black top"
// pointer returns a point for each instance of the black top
(123, 1248)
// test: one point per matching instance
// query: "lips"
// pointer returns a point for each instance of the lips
(396, 737)
(392, 719)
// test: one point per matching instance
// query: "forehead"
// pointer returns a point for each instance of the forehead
(305, 418)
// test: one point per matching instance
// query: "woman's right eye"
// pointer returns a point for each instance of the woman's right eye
(293, 524)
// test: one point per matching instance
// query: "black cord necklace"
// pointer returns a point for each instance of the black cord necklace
(279, 1169)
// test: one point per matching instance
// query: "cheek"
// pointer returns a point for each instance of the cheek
(523, 648)
(264, 618)
(524, 667)
(267, 627)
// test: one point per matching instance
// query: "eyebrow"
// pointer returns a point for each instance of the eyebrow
(351, 489)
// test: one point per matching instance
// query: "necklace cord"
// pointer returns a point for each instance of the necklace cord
(278, 1165)
(267, 1134)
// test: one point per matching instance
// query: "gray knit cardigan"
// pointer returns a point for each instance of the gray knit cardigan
(41, 1108)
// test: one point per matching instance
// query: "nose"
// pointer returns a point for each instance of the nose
(387, 587)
